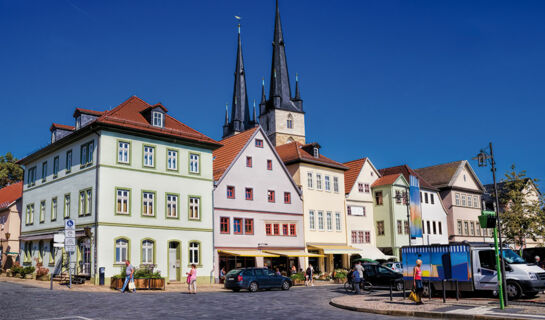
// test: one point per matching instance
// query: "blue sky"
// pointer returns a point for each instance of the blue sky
(416, 82)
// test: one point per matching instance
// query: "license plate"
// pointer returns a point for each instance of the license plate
(231, 278)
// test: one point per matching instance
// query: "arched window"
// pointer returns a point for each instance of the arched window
(121, 250)
(290, 121)
(147, 251)
(290, 140)
(194, 253)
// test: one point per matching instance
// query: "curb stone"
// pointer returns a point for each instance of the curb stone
(422, 314)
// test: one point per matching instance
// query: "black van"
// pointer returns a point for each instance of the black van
(380, 276)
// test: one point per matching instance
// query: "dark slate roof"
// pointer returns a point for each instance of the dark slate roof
(439, 175)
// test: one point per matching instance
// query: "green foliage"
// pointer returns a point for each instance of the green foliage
(26, 270)
(298, 276)
(341, 274)
(523, 216)
(141, 273)
(10, 172)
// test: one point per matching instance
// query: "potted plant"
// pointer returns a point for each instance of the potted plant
(144, 278)
(41, 272)
(339, 276)
(28, 270)
(298, 278)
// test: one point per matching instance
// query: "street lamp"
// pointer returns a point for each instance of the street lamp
(487, 221)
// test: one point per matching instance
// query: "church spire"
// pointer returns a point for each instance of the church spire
(280, 90)
(297, 93)
(240, 110)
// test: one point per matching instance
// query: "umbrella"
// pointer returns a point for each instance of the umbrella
(367, 260)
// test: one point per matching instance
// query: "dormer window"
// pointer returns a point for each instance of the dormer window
(78, 122)
(316, 152)
(157, 119)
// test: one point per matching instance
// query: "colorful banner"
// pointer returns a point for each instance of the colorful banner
(416, 210)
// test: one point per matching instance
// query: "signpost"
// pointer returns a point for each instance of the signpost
(70, 245)
(58, 242)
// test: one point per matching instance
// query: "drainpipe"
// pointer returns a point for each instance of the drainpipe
(95, 255)
(213, 277)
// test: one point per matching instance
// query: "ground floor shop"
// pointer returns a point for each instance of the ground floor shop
(329, 258)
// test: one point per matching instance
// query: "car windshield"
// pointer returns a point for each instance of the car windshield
(511, 257)
(233, 272)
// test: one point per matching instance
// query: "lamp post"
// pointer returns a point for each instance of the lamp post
(483, 159)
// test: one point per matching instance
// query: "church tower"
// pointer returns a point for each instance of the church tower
(240, 110)
(281, 116)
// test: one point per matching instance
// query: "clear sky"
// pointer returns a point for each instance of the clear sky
(415, 82)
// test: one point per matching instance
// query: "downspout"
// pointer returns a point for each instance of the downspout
(96, 208)
(213, 277)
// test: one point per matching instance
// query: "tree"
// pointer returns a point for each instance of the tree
(10, 171)
(523, 216)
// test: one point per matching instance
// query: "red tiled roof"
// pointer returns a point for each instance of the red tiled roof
(61, 126)
(350, 175)
(295, 152)
(386, 180)
(10, 193)
(129, 115)
(406, 171)
(87, 111)
(224, 156)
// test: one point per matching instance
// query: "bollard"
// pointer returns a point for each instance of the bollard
(391, 290)
(457, 291)
(403, 289)
(444, 290)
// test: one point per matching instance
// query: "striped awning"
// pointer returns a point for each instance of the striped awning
(248, 253)
(295, 253)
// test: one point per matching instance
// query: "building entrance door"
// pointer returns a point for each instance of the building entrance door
(174, 262)
(85, 262)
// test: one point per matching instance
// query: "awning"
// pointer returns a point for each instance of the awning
(46, 236)
(248, 253)
(336, 249)
(295, 253)
(373, 253)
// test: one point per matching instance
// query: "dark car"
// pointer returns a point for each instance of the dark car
(254, 279)
(380, 276)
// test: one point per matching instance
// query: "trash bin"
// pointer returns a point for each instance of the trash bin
(101, 272)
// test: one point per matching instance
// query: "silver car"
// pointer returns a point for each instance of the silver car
(396, 266)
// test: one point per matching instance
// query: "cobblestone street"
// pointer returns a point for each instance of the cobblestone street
(19, 301)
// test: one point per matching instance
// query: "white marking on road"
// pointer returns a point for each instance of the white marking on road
(487, 310)
(68, 317)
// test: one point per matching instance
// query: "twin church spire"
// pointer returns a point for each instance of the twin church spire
(279, 91)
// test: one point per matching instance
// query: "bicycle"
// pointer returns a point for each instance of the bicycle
(364, 285)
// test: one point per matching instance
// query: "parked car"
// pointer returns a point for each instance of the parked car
(396, 266)
(381, 276)
(254, 279)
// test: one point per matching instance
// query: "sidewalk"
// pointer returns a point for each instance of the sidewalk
(88, 287)
(462, 309)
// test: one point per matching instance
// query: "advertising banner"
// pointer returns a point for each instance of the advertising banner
(416, 210)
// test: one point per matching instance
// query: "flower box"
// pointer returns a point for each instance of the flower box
(141, 283)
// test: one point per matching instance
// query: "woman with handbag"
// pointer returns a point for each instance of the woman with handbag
(192, 279)
(417, 281)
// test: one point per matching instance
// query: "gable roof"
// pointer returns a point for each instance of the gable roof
(61, 126)
(295, 152)
(224, 156)
(79, 111)
(353, 172)
(406, 171)
(444, 175)
(10, 194)
(386, 180)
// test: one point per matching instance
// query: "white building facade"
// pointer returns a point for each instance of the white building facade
(138, 184)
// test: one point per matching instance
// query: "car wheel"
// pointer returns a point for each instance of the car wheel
(399, 286)
(236, 290)
(253, 287)
(428, 290)
(514, 290)
(285, 285)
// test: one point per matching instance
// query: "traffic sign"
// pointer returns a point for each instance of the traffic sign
(70, 241)
(70, 248)
(58, 245)
(70, 233)
(59, 238)
(69, 224)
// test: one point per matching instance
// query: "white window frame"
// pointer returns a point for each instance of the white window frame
(149, 152)
(148, 201)
(194, 163)
(123, 246)
(321, 220)
(172, 206)
(147, 251)
(158, 119)
(122, 197)
(172, 160)
(329, 221)
(312, 220)
(327, 183)
(318, 181)
(123, 155)
(338, 222)
(335, 184)
(194, 208)
(194, 248)
(310, 180)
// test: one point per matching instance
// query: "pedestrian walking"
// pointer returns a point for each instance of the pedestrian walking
(129, 277)
(192, 279)
(309, 277)
(360, 269)
(356, 278)
(417, 281)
